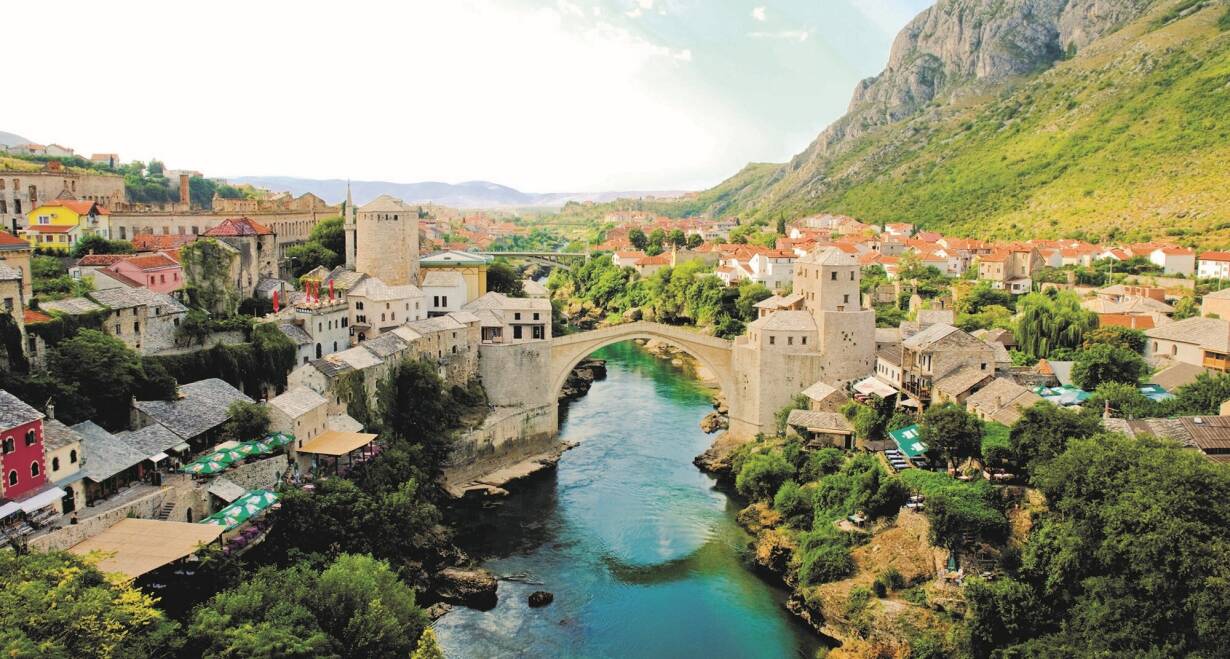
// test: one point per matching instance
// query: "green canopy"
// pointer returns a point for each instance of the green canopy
(242, 509)
(209, 464)
(279, 439)
(908, 440)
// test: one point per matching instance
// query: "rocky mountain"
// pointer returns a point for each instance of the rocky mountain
(11, 139)
(1056, 116)
(471, 194)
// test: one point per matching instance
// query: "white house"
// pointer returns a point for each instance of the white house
(1174, 260)
(444, 291)
(1213, 265)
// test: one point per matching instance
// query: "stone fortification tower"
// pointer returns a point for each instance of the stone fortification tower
(386, 241)
(829, 282)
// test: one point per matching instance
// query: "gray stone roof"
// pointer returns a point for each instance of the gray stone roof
(72, 306)
(126, 298)
(890, 354)
(831, 256)
(791, 321)
(343, 279)
(201, 406)
(357, 357)
(464, 316)
(820, 421)
(331, 368)
(374, 289)
(8, 272)
(226, 489)
(386, 345)
(105, 454)
(297, 401)
(929, 336)
(493, 300)
(56, 435)
(150, 440)
(14, 412)
(1177, 375)
(1002, 400)
(962, 380)
(820, 391)
(1212, 333)
(385, 203)
(295, 333)
(267, 285)
(432, 325)
(343, 423)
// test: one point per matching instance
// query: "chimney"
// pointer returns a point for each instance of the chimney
(184, 197)
(51, 410)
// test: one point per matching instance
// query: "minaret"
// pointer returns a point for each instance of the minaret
(348, 223)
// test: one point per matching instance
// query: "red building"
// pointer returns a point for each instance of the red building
(21, 432)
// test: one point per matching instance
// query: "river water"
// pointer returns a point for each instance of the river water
(639, 549)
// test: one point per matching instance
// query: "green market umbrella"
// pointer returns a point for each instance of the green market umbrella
(279, 439)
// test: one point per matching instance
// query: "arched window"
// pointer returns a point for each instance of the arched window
(55, 464)
(318, 351)
(12, 477)
(34, 469)
(9, 445)
(72, 456)
(31, 437)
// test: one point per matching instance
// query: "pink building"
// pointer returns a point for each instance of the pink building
(158, 272)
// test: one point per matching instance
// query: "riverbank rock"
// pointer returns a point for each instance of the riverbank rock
(437, 610)
(714, 422)
(472, 587)
(719, 403)
(540, 598)
(716, 459)
(582, 378)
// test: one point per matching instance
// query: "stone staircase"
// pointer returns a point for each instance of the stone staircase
(164, 513)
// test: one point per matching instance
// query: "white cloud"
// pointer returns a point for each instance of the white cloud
(560, 103)
(641, 7)
(760, 13)
(782, 35)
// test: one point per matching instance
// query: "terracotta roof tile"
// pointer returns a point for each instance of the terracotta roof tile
(240, 226)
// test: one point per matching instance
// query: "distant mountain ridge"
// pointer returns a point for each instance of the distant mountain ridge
(1007, 118)
(12, 139)
(470, 194)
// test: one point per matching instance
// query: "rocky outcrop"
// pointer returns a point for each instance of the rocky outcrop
(960, 47)
(472, 587)
(582, 378)
(716, 459)
(540, 598)
(714, 422)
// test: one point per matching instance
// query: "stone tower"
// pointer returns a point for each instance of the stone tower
(386, 241)
(829, 282)
(348, 223)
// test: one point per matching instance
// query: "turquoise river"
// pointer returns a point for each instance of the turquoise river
(638, 547)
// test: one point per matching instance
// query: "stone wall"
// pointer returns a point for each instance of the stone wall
(765, 382)
(516, 374)
(508, 435)
(259, 475)
(145, 507)
(848, 343)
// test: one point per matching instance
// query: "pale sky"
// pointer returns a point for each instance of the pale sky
(544, 96)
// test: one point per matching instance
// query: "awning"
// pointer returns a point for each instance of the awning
(181, 448)
(159, 457)
(226, 489)
(333, 442)
(908, 440)
(9, 508)
(242, 510)
(42, 499)
(876, 386)
(138, 546)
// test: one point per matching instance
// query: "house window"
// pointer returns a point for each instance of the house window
(9, 445)
(517, 316)
(805, 340)
(12, 477)
(790, 340)
(772, 340)
(31, 437)
(72, 456)
(535, 315)
(516, 331)
(445, 299)
(34, 469)
(539, 332)
(55, 464)
(846, 298)
(834, 275)
(984, 366)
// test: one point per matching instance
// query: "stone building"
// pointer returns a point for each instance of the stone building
(144, 320)
(444, 291)
(945, 364)
(471, 267)
(318, 328)
(512, 319)
(21, 191)
(829, 282)
(16, 253)
(376, 307)
(384, 237)
(300, 412)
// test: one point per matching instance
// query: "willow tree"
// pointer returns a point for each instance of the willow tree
(1051, 321)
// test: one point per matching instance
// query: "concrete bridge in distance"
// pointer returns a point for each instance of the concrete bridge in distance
(714, 353)
(554, 259)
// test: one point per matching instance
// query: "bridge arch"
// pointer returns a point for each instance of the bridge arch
(712, 352)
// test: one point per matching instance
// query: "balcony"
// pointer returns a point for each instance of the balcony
(1217, 361)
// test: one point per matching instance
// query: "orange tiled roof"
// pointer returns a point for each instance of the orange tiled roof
(101, 259)
(78, 207)
(148, 242)
(239, 226)
(32, 316)
(152, 261)
(7, 238)
(1214, 256)
(51, 228)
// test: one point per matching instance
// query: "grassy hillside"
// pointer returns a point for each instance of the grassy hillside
(1129, 139)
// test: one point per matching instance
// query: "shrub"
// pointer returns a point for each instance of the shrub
(821, 463)
(762, 474)
(794, 503)
(824, 563)
(957, 508)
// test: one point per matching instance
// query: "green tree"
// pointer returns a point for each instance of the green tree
(677, 238)
(695, 240)
(982, 296)
(1043, 432)
(194, 329)
(952, 431)
(331, 234)
(1105, 362)
(1125, 400)
(107, 373)
(414, 409)
(657, 238)
(428, 647)
(1050, 321)
(1131, 339)
(307, 256)
(751, 293)
(246, 421)
(56, 604)
(96, 244)
(503, 278)
(638, 239)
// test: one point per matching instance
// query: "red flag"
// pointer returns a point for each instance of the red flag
(275, 302)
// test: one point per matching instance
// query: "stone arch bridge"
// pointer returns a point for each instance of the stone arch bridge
(565, 260)
(714, 353)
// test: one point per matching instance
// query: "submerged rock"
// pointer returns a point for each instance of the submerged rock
(472, 587)
(540, 598)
